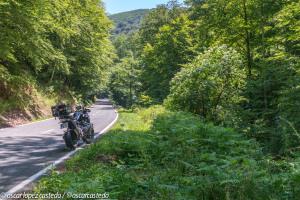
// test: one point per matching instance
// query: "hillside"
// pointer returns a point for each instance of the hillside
(127, 22)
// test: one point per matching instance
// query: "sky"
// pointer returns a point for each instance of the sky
(116, 6)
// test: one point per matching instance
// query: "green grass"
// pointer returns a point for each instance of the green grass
(158, 154)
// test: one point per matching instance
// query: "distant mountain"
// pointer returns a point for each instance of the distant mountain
(127, 22)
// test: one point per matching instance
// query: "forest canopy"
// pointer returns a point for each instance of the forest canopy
(235, 63)
(128, 22)
(60, 47)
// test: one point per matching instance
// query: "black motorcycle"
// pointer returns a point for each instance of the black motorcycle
(83, 121)
(78, 125)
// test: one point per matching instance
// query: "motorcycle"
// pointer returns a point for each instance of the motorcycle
(83, 120)
(77, 126)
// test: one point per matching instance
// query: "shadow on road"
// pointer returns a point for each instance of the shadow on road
(19, 157)
(26, 150)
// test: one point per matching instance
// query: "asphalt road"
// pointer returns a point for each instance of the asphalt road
(27, 149)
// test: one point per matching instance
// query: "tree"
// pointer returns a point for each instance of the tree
(124, 84)
(157, 18)
(210, 86)
(90, 53)
(269, 114)
(242, 24)
(60, 45)
(163, 59)
(126, 45)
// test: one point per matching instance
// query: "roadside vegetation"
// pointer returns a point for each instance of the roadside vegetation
(159, 154)
(233, 63)
(58, 48)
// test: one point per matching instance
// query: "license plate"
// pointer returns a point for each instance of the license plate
(64, 125)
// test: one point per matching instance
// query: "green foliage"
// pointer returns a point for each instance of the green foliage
(128, 22)
(161, 45)
(89, 51)
(122, 46)
(263, 104)
(164, 57)
(288, 106)
(145, 100)
(156, 19)
(124, 83)
(62, 45)
(266, 34)
(247, 79)
(272, 90)
(18, 90)
(158, 154)
(271, 113)
(210, 85)
(243, 24)
(126, 45)
(233, 62)
(287, 27)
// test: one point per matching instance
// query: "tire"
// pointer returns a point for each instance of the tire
(90, 137)
(69, 141)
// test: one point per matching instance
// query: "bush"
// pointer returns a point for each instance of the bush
(210, 85)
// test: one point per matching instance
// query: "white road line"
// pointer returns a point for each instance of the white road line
(54, 164)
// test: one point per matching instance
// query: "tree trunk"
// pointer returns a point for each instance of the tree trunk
(247, 40)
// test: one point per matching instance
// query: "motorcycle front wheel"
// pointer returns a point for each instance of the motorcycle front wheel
(89, 138)
(69, 141)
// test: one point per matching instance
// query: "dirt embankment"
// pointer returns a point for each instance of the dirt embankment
(22, 116)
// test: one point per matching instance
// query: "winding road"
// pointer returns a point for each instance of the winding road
(26, 150)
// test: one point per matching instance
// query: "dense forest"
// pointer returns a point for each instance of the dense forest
(128, 22)
(220, 80)
(52, 51)
(234, 63)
